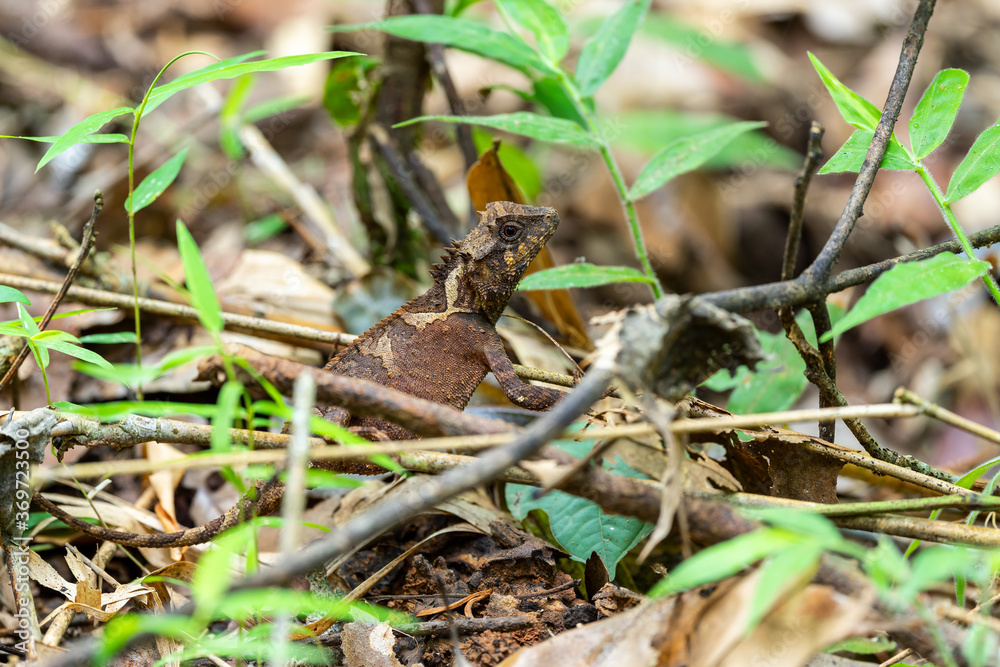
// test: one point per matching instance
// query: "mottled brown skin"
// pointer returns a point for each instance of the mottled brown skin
(438, 346)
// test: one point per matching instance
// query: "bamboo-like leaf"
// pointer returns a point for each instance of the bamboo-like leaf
(605, 49)
(199, 283)
(544, 22)
(980, 164)
(908, 283)
(232, 68)
(154, 185)
(543, 128)
(8, 294)
(935, 112)
(460, 34)
(685, 155)
(581, 274)
(78, 133)
(75, 351)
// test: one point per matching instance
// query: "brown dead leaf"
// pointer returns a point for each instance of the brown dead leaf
(488, 181)
(792, 472)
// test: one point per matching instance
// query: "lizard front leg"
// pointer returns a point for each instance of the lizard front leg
(519, 392)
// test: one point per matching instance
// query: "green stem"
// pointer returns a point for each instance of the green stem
(949, 216)
(631, 215)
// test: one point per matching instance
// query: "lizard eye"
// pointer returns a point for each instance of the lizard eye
(510, 232)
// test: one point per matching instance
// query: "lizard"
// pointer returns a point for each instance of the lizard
(438, 346)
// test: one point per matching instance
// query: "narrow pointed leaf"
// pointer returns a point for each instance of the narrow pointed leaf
(856, 110)
(908, 283)
(199, 283)
(77, 133)
(605, 49)
(461, 34)
(544, 22)
(153, 185)
(75, 351)
(8, 294)
(980, 164)
(935, 112)
(581, 274)
(685, 155)
(232, 68)
(543, 128)
(852, 154)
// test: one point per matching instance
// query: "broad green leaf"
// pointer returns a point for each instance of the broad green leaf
(113, 138)
(75, 351)
(723, 560)
(908, 283)
(580, 526)
(543, 128)
(8, 294)
(855, 110)
(153, 185)
(55, 335)
(232, 68)
(342, 91)
(109, 338)
(544, 22)
(980, 164)
(460, 34)
(27, 321)
(935, 112)
(581, 274)
(605, 49)
(686, 154)
(77, 133)
(199, 283)
(852, 154)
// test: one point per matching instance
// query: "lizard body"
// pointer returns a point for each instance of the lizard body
(438, 346)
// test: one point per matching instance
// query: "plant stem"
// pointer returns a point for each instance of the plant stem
(631, 215)
(949, 217)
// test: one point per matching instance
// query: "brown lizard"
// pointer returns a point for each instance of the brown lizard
(438, 346)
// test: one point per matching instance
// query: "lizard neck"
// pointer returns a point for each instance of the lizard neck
(455, 291)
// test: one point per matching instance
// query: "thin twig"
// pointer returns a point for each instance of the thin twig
(86, 244)
(814, 153)
(904, 395)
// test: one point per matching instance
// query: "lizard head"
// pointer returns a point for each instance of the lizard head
(498, 251)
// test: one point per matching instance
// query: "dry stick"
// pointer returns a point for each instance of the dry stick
(421, 497)
(814, 153)
(86, 244)
(904, 395)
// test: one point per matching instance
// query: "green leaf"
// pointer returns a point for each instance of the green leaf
(935, 112)
(908, 283)
(543, 128)
(230, 116)
(109, 338)
(9, 294)
(199, 283)
(723, 560)
(646, 132)
(460, 34)
(153, 185)
(693, 42)
(855, 110)
(77, 133)
(544, 22)
(581, 274)
(579, 525)
(978, 166)
(606, 48)
(778, 573)
(686, 154)
(863, 646)
(75, 351)
(852, 154)
(232, 68)
(342, 91)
